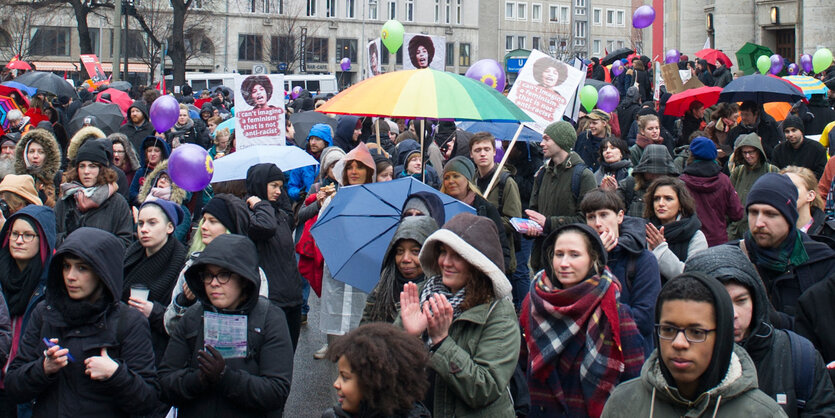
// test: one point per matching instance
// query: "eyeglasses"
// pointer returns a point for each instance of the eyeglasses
(749, 152)
(691, 334)
(222, 277)
(27, 237)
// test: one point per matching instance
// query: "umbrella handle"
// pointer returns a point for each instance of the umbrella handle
(377, 125)
(504, 160)
(423, 162)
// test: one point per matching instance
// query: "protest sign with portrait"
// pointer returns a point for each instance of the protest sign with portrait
(544, 88)
(422, 51)
(373, 58)
(259, 110)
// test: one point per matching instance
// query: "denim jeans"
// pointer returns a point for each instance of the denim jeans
(521, 279)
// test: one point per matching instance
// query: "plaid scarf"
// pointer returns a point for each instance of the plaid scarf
(436, 285)
(829, 208)
(573, 338)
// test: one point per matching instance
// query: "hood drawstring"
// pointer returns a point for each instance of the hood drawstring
(652, 403)
(716, 410)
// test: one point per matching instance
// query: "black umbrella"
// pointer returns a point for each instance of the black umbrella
(105, 116)
(616, 55)
(761, 89)
(303, 121)
(597, 84)
(124, 86)
(48, 83)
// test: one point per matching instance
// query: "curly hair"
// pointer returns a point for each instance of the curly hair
(686, 204)
(389, 364)
(542, 64)
(106, 175)
(250, 83)
(417, 41)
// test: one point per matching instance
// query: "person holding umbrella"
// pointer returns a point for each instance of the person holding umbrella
(754, 119)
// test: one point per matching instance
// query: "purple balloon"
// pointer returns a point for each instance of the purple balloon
(164, 113)
(345, 64)
(793, 69)
(617, 68)
(295, 94)
(672, 56)
(806, 63)
(489, 72)
(608, 98)
(776, 64)
(643, 17)
(190, 167)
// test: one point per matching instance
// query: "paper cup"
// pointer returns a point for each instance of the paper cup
(139, 291)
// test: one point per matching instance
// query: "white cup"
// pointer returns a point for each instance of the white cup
(139, 291)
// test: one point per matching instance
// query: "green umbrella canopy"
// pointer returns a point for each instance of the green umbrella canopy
(747, 56)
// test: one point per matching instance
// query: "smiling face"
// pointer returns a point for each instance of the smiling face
(79, 278)
(597, 127)
(687, 361)
(356, 172)
(422, 56)
(88, 173)
(456, 271)
(414, 165)
(550, 77)
(406, 258)
(665, 204)
(23, 241)
(223, 295)
(35, 154)
(259, 95)
(571, 261)
(751, 155)
(794, 136)
(347, 388)
(456, 185)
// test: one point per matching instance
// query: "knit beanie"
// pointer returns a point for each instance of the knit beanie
(172, 211)
(462, 165)
(217, 208)
(563, 134)
(703, 148)
(94, 150)
(416, 203)
(793, 121)
(330, 156)
(777, 191)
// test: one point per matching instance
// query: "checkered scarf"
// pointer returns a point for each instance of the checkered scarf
(573, 338)
(436, 285)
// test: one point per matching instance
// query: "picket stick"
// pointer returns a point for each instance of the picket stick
(504, 160)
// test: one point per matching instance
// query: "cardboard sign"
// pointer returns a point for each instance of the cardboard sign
(544, 88)
(669, 72)
(259, 105)
(373, 58)
(421, 51)
(93, 66)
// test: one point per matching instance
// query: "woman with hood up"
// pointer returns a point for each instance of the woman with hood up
(271, 231)
(154, 261)
(194, 375)
(124, 156)
(348, 130)
(580, 341)
(38, 155)
(84, 352)
(153, 152)
(770, 348)
(158, 185)
(401, 265)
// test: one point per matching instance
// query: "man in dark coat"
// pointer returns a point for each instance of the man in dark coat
(628, 112)
(754, 119)
(597, 71)
(788, 261)
(823, 115)
(769, 348)
(138, 125)
(798, 150)
(704, 73)
(722, 75)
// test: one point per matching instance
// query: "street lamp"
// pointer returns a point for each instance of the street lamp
(775, 15)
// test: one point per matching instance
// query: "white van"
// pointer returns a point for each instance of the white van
(315, 84)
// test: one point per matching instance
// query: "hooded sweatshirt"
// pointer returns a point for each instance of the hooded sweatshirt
(405, 149)
(45, 173)
(300, 179)
(139, 177)
(86, 328)
(715, 199)
(254, 386)
(343, 137)
(137, 134)
(728, 388)
(743, 177)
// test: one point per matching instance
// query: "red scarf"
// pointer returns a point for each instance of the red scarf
(643, 140)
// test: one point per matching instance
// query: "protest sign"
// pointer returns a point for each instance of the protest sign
(259, 110)
(421, 51)
(672, 79)
(544, 88)
(93, 66)
(373, 58)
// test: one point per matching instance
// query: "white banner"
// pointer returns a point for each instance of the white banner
(259, 110)
(421, 51)
(544, 88)
(373, 58)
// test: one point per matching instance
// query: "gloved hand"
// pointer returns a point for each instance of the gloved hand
(211, 364)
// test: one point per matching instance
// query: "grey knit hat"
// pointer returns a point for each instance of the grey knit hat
(563, 134)
(460, 164)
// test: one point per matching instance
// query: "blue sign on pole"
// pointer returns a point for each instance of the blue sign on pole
(282, 66)
(513, 65)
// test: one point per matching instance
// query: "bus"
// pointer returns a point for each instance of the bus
(314, 83)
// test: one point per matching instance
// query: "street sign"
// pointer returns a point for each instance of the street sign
(513, 65)
(282, 66)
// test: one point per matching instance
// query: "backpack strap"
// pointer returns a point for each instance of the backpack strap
(576, 177)
(803, 368)
(500, 187)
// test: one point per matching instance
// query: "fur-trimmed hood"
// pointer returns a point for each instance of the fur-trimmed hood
(80, 137)
(130, 152)
(178, 195)
(52, 162)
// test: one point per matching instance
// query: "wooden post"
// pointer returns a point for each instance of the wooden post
(502, 163)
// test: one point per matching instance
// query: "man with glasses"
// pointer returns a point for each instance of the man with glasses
(749, 164)
(696, 370)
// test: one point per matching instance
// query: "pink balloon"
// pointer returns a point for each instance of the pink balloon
(489, 72)
(190, 167)
(608, 98)
(643, 17)
(617, 68)
(345, 64)
(164, 113)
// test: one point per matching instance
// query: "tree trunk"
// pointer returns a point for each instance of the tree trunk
(177, 49)
(85, 44)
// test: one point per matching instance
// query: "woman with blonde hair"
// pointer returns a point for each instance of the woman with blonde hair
(811, 218)
(649, 132)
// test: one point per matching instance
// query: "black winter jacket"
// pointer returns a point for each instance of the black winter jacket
(137, 134)
(766, 128)
(114, 216)
(123, 331)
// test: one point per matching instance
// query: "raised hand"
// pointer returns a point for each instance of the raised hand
(439, 319)
(414, 321)
(654, 236)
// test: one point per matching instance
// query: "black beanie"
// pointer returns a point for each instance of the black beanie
(778, 191)
(217, 208)
(794, 121)
(94, 150)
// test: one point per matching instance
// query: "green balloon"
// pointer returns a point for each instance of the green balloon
(821, 60)
(588, 97)
(392, 35)
(763, 64)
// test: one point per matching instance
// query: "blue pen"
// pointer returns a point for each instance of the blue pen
(50, 344)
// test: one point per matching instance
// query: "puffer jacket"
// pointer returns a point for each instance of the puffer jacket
(44, 175)
(743, 178)
(715, 199)
(650, 395)
(139, 178)
(123, 331)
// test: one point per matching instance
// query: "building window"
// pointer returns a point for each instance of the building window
(554, 13)
(520, 42)
(564, 14)
(580, 29)
(597, 17)
(610, 45)
(448, 11)
(392, 10)
(579, 42)
(464, 55)
(458, 13)
(282, 49)
(610, 17)
(620, 44)
(580, 3)
(346, 48)
(596, 46)
(311, 7)
(536, 12)
(330, 8)
(522, 11)
(279, 6)
(621, 17)
(509, 10)
(535, 40)
(372, 9)
(580, 11)
(437, 11)
(508, 42)
(350, 7)
(450, 54)
(250, 48)
(316, 50)
(410, 10)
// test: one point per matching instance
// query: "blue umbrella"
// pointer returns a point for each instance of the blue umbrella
(761, 89)
(502, 130)
(31, 91)
(228, 123)
(354, 231)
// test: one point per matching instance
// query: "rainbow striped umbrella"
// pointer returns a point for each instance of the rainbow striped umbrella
(424, 93)
(809, 85)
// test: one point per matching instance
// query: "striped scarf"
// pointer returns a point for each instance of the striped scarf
(573, 338)
(436, 285)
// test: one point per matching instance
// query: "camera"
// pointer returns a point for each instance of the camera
(4, 207)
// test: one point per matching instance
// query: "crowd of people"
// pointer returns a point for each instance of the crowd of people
(680, 267)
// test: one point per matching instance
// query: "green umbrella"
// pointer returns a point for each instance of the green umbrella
(747, 56)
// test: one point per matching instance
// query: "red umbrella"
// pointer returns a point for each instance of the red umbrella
(8, 90)
(680, 102)
(713, 55)
(117, 97)
(16, 64)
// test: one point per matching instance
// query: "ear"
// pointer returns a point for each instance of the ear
(620, 217)
(169, 229)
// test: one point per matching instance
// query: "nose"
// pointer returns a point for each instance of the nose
(680, 341)
(759, 221)
(336, 384)
(407, 257)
